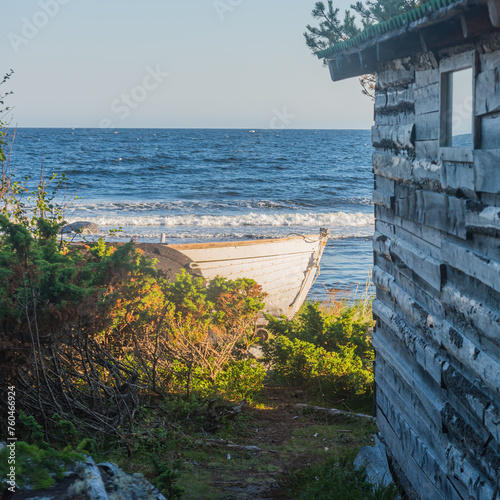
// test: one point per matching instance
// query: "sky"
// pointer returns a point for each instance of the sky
(171, 64)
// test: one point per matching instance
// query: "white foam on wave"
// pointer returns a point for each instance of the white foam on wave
(330, 220)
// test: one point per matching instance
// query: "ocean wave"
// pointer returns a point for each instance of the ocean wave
(153, 206)
(183, 205)
(330, 220)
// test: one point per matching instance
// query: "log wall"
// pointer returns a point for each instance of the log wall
(437, 276)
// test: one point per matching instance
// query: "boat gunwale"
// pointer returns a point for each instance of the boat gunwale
(223, 244)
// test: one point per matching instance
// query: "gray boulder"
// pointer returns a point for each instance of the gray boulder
(88, 481)
(106, 481)
(373, 459)
(81, 227)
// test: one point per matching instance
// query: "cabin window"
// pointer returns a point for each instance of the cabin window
(456, 135)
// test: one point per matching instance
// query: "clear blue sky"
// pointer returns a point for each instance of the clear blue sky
(171, 63)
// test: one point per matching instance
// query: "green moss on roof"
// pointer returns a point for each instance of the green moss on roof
(427, 8)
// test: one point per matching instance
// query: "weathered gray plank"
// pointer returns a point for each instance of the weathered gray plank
(474, 441)
(427, 77)
(432, 247)
(427, 426)
(464, 394)
(490, 60)
(427, 126)
(382, 245)
(458, 176)
(404, 227)
(484, 269)
(436, 210)
(390, 355)
(407, 306)
(395, 119)
(492, 422)
(393, 137)
(395, 77)
(428, 268)
(411, 468)
(427, 99)
(426, 169)
(391, 166)
(385, 228)
(486, 169)
(458, 61)
(460, 155)
(484, 221)
(427, 296)
(481, 364)
(411, 445)
(380, 100)
(400, 99)
(461, 469)
(490, 131)
(473, 313)
(425, 355)
(488, 92)
(427, 149)
(384, 184)
(383, 199)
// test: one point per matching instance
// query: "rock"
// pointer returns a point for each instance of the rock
(81, 228)
(90, 482)
(373, 459)
(256, 351)
(104, 481)
(123, 486)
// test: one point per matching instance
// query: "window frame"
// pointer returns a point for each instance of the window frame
(452, 64)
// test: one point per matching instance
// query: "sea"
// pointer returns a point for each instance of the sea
(201, 185)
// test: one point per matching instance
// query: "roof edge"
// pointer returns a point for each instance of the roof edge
(394, 24)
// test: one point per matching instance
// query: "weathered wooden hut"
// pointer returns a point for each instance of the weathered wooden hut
(437, 241)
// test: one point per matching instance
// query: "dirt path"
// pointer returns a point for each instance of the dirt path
(286, 439)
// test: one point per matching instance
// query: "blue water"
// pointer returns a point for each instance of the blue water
(216, 185)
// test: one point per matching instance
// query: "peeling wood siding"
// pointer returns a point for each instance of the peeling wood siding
(437, 275)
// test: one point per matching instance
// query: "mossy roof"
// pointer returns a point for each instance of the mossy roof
(403, 20)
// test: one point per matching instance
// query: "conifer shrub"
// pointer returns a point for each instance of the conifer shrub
(86, 330)
(37, 467)
(332, 347)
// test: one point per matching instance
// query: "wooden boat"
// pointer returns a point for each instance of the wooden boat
(285, 268)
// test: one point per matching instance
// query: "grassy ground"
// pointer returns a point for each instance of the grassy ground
(217, 466)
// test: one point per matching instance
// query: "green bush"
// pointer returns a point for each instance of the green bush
(238, 379)
(37, 467)
(351, 324)
(241, 379)
(341, 372)
(317, 345)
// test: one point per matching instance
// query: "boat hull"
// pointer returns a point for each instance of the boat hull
(285, 267)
